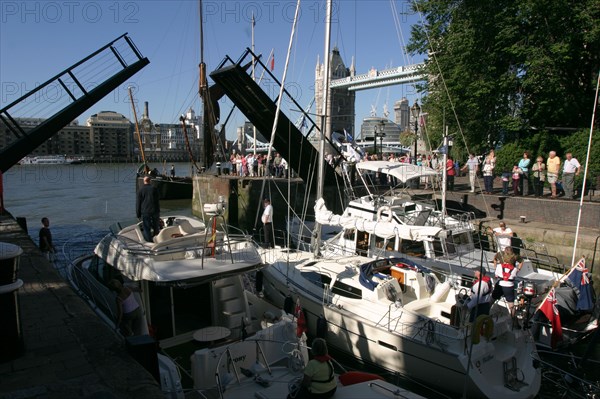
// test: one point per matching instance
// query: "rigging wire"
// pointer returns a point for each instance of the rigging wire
(585, 173)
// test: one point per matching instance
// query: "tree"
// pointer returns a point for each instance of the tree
(503, 71)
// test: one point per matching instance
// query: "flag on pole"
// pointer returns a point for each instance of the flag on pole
(579, 276)
(549, 309)
(347, 136)
(272, 62)
(303, 123)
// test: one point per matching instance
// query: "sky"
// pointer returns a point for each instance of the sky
(39, 39)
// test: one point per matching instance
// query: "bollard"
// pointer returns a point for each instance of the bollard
(218, 168)
(11, 337)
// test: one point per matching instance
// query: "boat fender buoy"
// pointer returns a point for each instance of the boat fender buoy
(384, 218)
(484, 325)
(356, 377)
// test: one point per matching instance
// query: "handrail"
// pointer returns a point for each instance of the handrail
(39, 87)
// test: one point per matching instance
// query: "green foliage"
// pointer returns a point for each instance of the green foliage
(505, 71)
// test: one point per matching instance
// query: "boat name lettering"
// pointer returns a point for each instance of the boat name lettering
(239, 359)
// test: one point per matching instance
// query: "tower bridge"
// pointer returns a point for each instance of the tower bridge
(385, 77)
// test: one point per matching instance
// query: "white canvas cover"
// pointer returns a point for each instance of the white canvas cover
(400, 170)
(381, 229)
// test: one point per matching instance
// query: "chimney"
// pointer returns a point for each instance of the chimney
(146, 114)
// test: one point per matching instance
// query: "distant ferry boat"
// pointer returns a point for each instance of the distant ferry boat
(50, 160)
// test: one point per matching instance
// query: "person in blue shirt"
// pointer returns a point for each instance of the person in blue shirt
(524, 165)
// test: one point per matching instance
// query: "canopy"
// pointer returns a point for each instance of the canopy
(400, 170)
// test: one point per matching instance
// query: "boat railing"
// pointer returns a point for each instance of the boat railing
(87, 287)
(238, 246)
(427, 329)
(227, 361)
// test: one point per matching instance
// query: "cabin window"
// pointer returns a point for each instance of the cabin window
(318, 279)
(349, 234)
(345, 290)
(413, 248)
(385, 244)
(362, 243)
(103, 272)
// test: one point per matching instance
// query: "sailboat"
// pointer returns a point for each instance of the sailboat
(396, 315)
(395, 224)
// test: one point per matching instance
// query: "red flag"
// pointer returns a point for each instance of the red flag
(273, 62)
(548, 307)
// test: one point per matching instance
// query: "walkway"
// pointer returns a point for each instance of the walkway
(69, 351)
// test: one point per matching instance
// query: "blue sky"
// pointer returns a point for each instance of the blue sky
(39, 39)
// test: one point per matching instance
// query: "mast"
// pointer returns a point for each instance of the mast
(446, 146)
(137, 127)
(253, 78)
(321, 173)
(208, 118)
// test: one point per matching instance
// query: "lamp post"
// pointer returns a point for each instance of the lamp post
(415, 110)
(379, 132)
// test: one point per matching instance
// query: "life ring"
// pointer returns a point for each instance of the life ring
(484, 324)
(387, 218)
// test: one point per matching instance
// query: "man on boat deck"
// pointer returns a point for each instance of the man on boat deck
(267, 219)
(148, 209)
(507, 265)
(481, 294)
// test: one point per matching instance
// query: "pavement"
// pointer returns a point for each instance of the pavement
(68, 352)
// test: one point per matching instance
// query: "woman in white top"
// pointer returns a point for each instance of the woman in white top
(129, 313)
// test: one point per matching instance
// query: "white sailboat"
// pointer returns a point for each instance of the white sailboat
(401, 317)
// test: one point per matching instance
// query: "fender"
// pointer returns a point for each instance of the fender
(387, 218)
(484, 324)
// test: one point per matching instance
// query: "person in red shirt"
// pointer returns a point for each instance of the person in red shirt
(450, 172)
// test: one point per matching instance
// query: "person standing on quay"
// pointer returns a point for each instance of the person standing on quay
(473, 166)
(46, 245)
(571, 168)
(552, 168)
(539, 176)
(148, 209)
(488, 176)
(524, 167)
(267, 220)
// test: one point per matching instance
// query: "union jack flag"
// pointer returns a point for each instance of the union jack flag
(580, 277)
(580, 266)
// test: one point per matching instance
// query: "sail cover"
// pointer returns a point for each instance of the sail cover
(385, 230)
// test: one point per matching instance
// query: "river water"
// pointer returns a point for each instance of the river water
(82, 201)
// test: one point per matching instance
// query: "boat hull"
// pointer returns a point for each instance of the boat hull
(424, 350)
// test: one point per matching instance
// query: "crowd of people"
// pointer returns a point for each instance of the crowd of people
(259, 165)
(526, 177)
